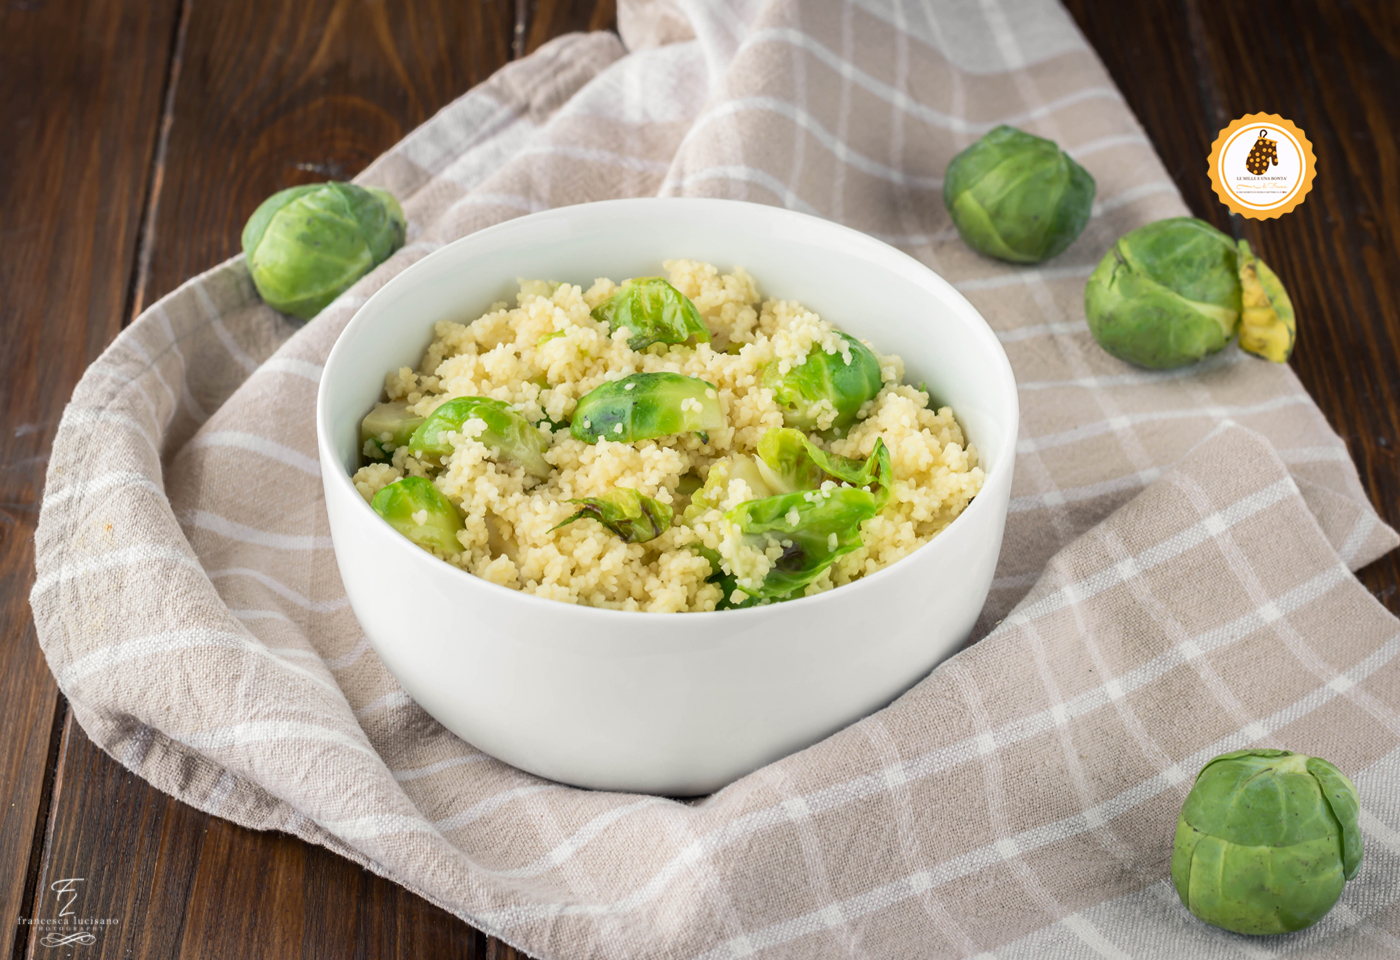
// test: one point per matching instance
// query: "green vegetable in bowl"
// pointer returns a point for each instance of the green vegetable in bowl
(386, 427)
(646, 405)
(811, 530)
(652, 311)
(823, 382)
(1017, 197)
(508, 434)
(1166, 294)
(789, 461)
(1265, 841)
(633, 517)
(306, 245)
(417, 509)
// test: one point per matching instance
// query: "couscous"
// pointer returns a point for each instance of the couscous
(676, 444)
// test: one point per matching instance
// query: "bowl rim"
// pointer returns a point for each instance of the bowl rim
(921, 273)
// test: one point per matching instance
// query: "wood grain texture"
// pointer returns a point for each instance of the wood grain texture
(548, 19)
(271, 95)
(78, 122)
(263, 96)
(1189, 67)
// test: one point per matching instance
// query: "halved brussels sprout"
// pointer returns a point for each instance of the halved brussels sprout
(812, 529)
(790, 461)
(508, 434)
(417, 509)
(1267, 326)
(386, 427)
(823, 382)
(307, 245)
(1017, 197)
(652, 311)
(647, 405)
(635, 518)
(1166, 294)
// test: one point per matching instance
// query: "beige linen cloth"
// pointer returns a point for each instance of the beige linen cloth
(1175, 580)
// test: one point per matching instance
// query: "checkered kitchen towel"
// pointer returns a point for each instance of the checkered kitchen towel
(1175, 580)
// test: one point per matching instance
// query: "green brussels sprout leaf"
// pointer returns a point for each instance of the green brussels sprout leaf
(1340, 794)
(1017, 197)
(633, 517)
(789, 461)
(652, 311)
(646, 405)
(508, 434)
(1265, 841)
(824, 382)
(1166, 294)
(306, 245)
(1268, 328)
(417, 509)
(811, 530)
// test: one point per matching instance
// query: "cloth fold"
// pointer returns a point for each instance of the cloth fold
(1174, 582)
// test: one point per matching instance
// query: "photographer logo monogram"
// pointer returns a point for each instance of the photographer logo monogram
(66, 928)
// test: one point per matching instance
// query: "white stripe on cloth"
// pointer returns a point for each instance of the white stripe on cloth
(1039, 274)
(216, 323)
(418, 773)
(261, 446)
(262, 732)
(137, 556)
(805, 121)
(743, 174)
(297, 368)
(906, 104)
(389, 701)
(162, 644)
(277, 587)
(117, 479)
(83, 415)
(231, 530)
(1218, 412)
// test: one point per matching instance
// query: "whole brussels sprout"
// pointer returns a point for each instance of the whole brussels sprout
(1166, 294)
(1265, 841)
(1017, 197)
(306, 245)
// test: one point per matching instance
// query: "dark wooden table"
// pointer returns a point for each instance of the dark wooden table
(137, 135)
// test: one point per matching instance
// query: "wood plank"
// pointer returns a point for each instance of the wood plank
(265, 96)
(276, 94)
(80, 98)
(1337, 252)
(551, 18)
(1332, 69)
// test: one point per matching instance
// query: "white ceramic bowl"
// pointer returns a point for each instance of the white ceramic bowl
(679, 703)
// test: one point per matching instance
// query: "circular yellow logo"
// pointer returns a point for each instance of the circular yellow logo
(1262, 166)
